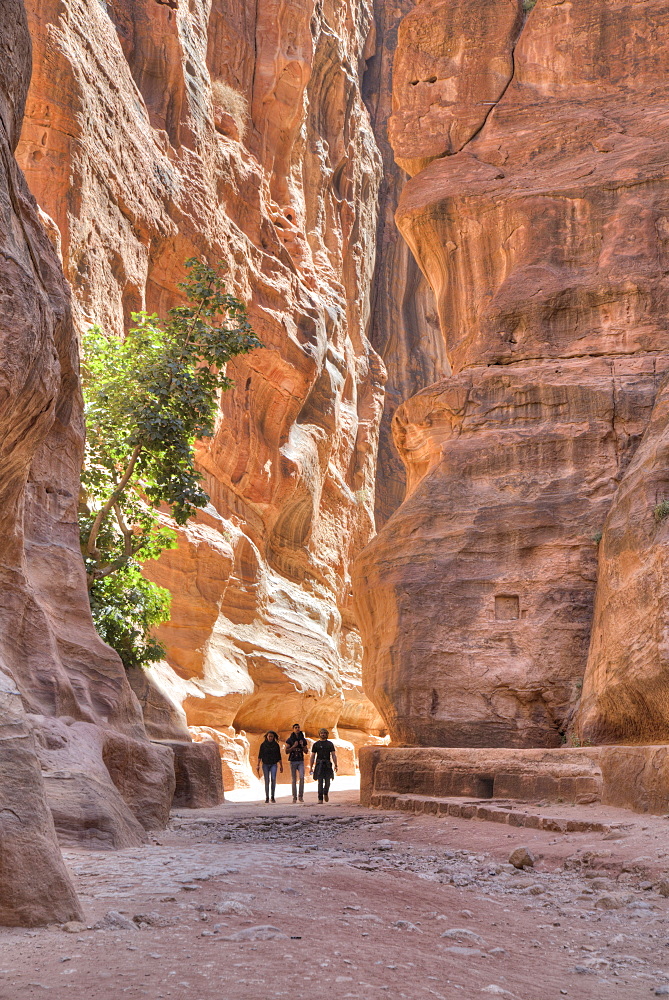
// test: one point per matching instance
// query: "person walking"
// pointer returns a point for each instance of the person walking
(296, 747)
(269, 755)
(321, 752)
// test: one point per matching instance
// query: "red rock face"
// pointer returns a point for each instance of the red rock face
(153, 133)
(404, 326)
(56, 667)
(35, 342)
(453, 63)
(534, 307)
(540, 225)
(625, 686)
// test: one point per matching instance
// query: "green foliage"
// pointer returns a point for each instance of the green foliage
(147, 399)
(661, 511)
(125, 608)
(597, 537)
(529, 5)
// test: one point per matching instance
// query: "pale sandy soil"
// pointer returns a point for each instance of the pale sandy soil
(360, 920)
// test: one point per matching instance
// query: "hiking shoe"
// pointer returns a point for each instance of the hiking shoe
(274, 801)
(294, 799)
(320, 802)
(301, 799)
(327, 798)
(266, 801)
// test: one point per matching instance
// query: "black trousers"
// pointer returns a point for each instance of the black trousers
(324, 775)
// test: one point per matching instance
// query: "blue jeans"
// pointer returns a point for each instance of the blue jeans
(269, 770)
(297, 771)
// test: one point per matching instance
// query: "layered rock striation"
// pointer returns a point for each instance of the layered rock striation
(155, 132)
(537, 213)
(52, 663)
(625, 697)
(404, 326)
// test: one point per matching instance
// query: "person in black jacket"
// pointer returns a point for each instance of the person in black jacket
(296, 747)
(269, 755)
(321, 752)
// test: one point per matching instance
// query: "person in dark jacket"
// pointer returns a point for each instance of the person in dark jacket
(321, 752)
(269, 755)
(296, 747)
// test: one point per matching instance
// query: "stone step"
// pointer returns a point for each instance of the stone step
(517, 814)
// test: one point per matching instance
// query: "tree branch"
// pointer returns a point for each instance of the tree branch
(193, 321)
(106, 507)
(102, 571)
(112, 567)
(125, 531)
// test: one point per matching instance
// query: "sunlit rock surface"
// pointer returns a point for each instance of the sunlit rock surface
(37, 386)
(155, 132)
(538, 214)
(625, 696)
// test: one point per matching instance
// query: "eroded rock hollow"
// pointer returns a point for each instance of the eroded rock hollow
(537, 211)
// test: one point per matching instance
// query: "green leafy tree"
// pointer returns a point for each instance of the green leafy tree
(125, 607)
(147, 399)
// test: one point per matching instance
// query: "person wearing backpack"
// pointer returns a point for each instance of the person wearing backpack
(296, 747)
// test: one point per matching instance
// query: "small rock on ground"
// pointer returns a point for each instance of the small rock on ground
(522, 857)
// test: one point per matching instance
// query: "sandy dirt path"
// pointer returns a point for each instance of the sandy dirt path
(255, 902)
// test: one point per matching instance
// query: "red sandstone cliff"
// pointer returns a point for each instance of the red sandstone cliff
(157, 131)
(51, 661)
(538, 218)
(404, 326)
(625, 692)
(538, 214)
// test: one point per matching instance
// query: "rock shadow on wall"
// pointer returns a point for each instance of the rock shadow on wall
(156, 62)
(290, 536)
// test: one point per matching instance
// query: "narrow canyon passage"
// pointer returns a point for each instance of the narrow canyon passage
(435, 506)
(247, 902)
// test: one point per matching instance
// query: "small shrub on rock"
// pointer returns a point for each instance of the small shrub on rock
(661, 512)
(228, 101)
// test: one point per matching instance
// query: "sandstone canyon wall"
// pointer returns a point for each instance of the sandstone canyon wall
(71, 727)
(625, 692)
(404, 326)
(522, 318)
(537, 212)
(156, 131)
